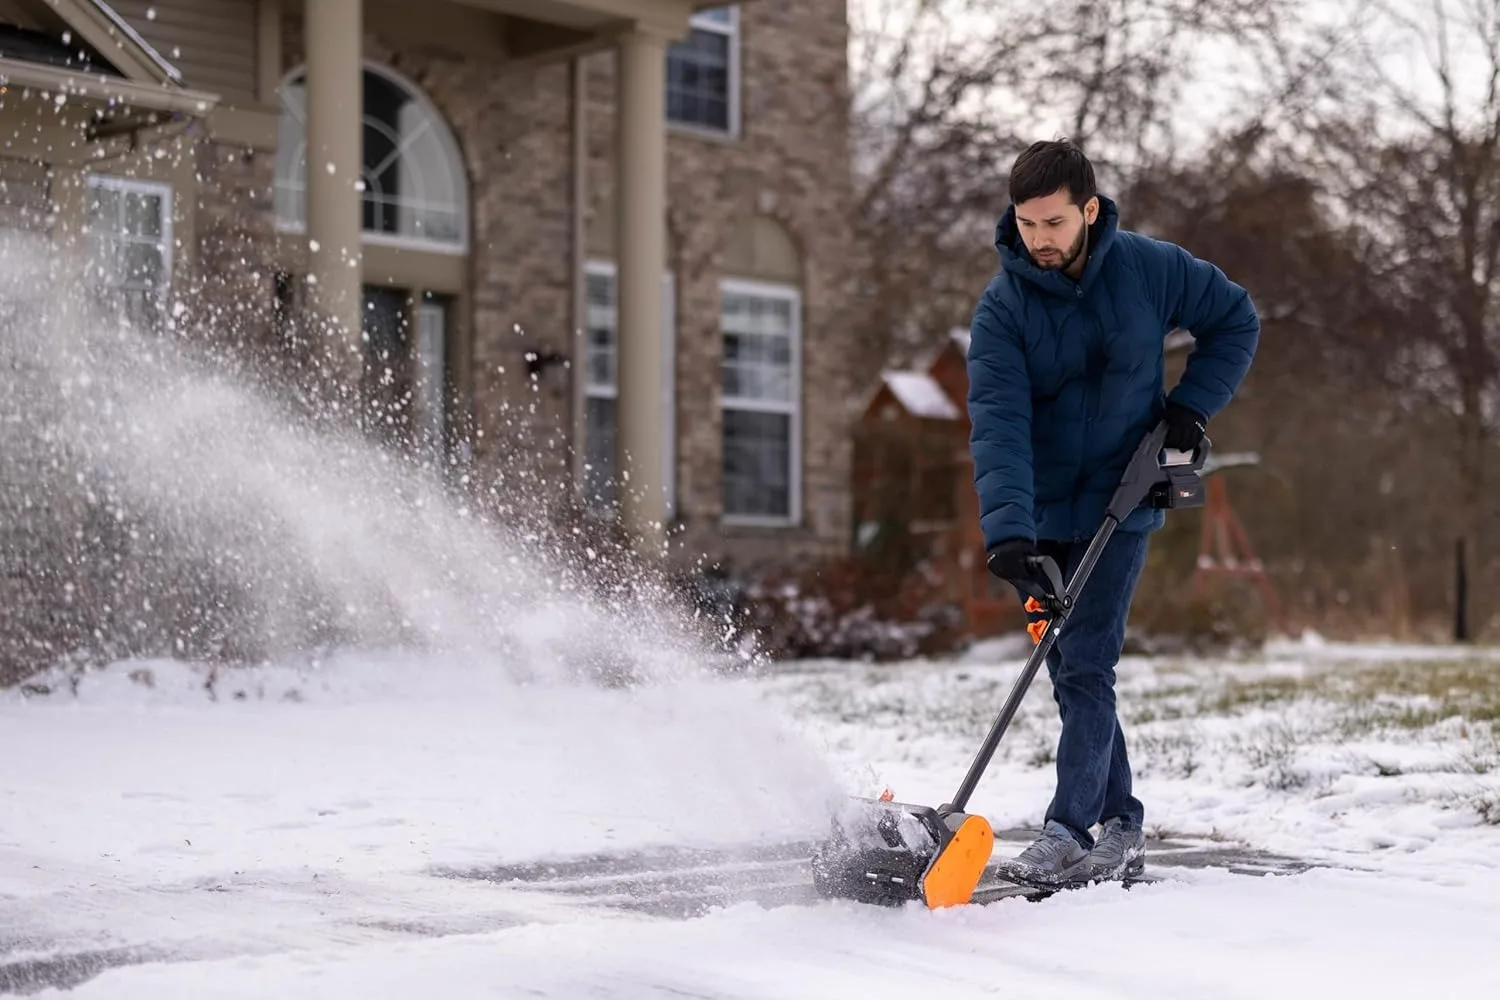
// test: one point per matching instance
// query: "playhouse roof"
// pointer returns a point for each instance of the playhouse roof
(921, 395)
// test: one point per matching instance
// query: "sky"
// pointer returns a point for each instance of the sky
(1220, 71)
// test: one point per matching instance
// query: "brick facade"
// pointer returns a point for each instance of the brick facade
(233, 283)
(25, 195)
(513, 125)
(790, 163)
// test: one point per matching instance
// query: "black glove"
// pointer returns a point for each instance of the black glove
(1185, 427)
(1011, 561)
(1017, 561)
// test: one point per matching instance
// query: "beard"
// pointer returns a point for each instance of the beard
(1065, 261)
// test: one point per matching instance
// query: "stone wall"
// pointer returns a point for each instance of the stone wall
(25, 198)
(233, 283)
(790, 162)
(512, 128)
(39, 518)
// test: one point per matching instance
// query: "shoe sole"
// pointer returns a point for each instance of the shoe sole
(1134, 867)
(1029, 874)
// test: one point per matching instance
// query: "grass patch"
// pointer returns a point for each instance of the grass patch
(1237, 695)
(1272, 749)
(1175, 755)
(1487, 804)
(1473, 685)
(1043, 754)
(1412, 695)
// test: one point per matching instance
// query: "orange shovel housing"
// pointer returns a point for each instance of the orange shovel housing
(890, 852)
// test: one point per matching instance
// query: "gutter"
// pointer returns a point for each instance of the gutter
(108, 90)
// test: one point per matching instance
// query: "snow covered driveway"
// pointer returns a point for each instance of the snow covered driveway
(303, 840)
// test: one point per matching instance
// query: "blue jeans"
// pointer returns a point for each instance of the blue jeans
(1093, 767)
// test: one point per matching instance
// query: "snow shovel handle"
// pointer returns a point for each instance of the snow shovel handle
(1159, 477)
(1147, 479)
(1060, 611)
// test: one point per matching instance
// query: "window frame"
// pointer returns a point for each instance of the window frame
(166, 244)
(440, 128)
(702, 21)
(600, 267)
(793, 407)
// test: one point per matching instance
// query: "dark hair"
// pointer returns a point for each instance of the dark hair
(1048, 166)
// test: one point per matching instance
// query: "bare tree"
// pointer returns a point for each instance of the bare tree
(1412, 159)
(948, 91)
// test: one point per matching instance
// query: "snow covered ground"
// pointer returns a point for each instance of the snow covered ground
(295, 832)
(409, 826)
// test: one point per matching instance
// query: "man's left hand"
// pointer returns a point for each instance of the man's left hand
(1185, 428)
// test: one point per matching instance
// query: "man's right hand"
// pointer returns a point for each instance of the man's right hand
(1019, 562)
(1012, 561)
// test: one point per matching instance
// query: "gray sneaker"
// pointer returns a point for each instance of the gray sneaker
(1120, 852)
(1054, 858)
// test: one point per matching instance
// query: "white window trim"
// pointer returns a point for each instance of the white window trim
(793, 295)
(163, 190)
(608, 269)
(732, 31)
(444, 132)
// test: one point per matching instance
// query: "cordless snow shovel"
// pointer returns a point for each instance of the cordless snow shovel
(887, 852)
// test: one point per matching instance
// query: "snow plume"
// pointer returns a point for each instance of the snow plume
(164, 502)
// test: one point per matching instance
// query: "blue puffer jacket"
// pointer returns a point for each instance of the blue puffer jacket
(1066, 377)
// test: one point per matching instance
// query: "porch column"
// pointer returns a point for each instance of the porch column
(640, 204)
(335, 102)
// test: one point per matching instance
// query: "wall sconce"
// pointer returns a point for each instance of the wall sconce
(537, 363)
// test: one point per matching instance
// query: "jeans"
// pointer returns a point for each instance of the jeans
(1093, 767)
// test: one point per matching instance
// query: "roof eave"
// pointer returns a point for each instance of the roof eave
(107, 90)
(113, 37)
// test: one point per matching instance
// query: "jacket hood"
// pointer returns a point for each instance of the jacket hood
(1015, 258)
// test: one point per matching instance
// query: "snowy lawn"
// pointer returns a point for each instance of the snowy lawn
(282, 843)
(1364, 756)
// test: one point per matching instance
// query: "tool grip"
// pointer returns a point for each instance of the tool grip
(1044, 586)
(1152, 476)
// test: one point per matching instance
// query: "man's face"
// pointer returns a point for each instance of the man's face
(1053, 228)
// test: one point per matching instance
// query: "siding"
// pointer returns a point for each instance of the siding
(25, 196)
(23, 15)
(211, 41)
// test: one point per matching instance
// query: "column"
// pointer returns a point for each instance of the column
(640, 241)
(335, 102)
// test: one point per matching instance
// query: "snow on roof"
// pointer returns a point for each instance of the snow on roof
(1229, 460)
(960, 336)
(1177, 340)
(921, 394)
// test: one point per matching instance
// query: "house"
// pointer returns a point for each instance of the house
(540, 233)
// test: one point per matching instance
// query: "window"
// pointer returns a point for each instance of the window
(703, 73)
(761, 378)
(415, 187)
(601, 388)
(430, 381)
(130, 247)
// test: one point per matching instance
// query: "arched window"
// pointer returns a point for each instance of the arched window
(415, 187)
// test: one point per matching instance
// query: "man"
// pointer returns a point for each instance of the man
(1065, 378)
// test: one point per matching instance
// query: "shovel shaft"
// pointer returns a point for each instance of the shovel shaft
(1033, 664)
